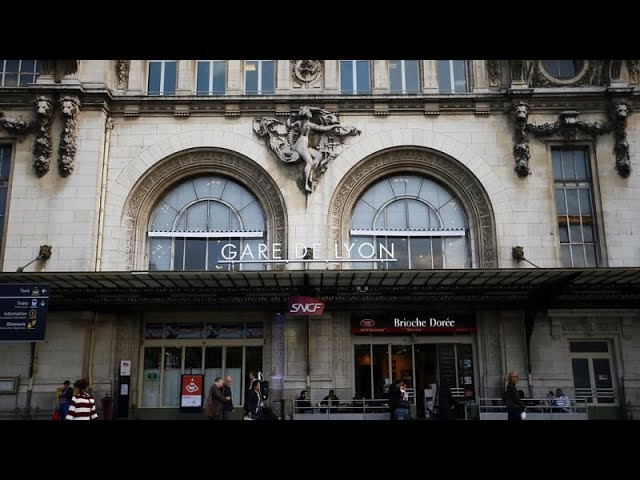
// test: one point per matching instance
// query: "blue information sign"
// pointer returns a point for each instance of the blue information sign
(23, 312)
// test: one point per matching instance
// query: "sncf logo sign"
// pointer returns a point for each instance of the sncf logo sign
(305, 305)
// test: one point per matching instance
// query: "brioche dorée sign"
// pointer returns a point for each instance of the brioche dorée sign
(299, 305)
(413, 323)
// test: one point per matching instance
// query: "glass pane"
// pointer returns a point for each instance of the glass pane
(172, 372)
(379, 194)
(444, 76)
(233, 367)
(251, 77)
(396, 215)
(568, 166)
(438, 258)
(169, 78)
(412, 185)
(362, 371)
(362, 216)
(268, 77)
(154, 77)
(556, 160)
(395, 76)
(587, 231)
(25, 79)
(219, 77)
(456, 252)
(419, 217)
(578, 256)
(160, 254)
(197, 217)
(575, 233)
(220, 217)
(212, 365)
(346, 76)
(560, 202)
(27, 66)
(589, 347)
(565, 255)
(253, 246)
(572, 201)
(603, 379)
(193, 359)
(447, 364)
(255, 330)
(163, 218)
(202, 85)
(566, 69)
(401, 247)
(564, 234)
(402, 364)
(151, 377)
(195, 255)
(154, 330)
(581, 378)
(12, 66)
(356, 243)
(581, 165)
(178, 256)
(252, 217)
(381, 377)
(585, 201)
(412, 76)
(5, 161)
(590, 252)
(465, 369)
(421, 253)
(460, 76)
(189, 330)
(362, 76)
(11, 80)
(253, 363)
(237, 196)
(452, 215)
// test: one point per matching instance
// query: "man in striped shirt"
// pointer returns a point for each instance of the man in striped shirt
(83, 405)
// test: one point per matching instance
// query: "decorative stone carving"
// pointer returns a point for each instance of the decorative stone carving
(18, 127)
(453, 174)
(568, 126)
(70, 111)
(247, 171)
(493, 69)
(294, 140)
(122, 72)
(306, 71)
(521, 138)
(522, 71)
(632, 66)
(532, 73)
(59, 68)
(43, 145)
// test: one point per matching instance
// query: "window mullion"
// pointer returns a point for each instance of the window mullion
(211, 63)
(452, 80)
(354, 73)
(403, 76)
(259, 71)
(162, 64)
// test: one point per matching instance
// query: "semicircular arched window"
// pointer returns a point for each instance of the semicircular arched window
(412, 219)
(204, 224)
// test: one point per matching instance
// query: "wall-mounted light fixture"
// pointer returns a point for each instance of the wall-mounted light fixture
(43, 255)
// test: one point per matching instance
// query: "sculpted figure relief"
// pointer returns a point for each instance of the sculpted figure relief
(294, 140)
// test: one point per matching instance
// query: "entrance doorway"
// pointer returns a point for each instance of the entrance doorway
(419, 365)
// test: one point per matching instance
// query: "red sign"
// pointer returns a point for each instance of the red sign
(191, 391)
(305, 305)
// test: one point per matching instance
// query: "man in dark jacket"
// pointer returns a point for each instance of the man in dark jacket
(227, 406)
(512, 399)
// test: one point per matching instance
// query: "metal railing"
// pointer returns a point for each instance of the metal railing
(341, 410)
(536, 409)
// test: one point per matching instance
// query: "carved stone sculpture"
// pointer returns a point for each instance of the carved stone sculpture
(70, 111)
(122, 72)
(493, 69)
(309, 135)
(522, 70)
(521, 141)
(632, 66)
(568, 126)
(43, 145)
(306, 71)
(18, 127)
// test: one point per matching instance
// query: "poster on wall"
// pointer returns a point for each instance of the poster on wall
(191, 392)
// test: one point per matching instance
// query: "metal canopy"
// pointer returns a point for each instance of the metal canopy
(611, 287)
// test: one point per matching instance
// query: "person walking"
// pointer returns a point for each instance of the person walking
(83, 405)
(515, 406)
(227, 406)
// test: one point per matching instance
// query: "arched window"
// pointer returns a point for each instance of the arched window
(415, 218)
(204, 223)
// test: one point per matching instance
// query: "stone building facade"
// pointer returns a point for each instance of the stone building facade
(149, 166)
